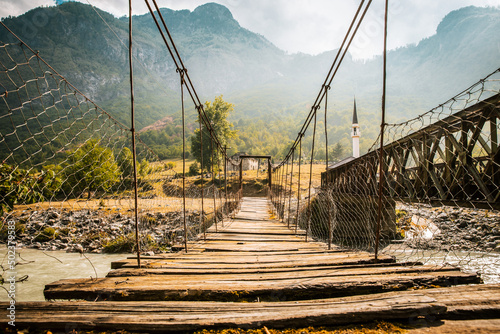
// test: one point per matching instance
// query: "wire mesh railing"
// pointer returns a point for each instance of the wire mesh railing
(427, 191)
(441, 189)
(67, 171)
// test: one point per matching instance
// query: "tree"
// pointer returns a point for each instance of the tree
(49, 181)
(194, 169)
(126, 163)
(144, 169)
(217, 113)
(17, 186)
(337, 152)
(91, 168)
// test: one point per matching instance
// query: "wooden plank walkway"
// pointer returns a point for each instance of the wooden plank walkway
(254, 258)
(458, 302)
(255, 272)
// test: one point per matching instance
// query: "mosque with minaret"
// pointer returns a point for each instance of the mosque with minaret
(355, 134)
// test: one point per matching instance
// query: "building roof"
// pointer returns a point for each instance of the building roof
(354, 114)
(341, 162)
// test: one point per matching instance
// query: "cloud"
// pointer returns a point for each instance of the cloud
(18, 7)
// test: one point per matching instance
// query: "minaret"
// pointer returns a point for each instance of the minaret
(355, 132)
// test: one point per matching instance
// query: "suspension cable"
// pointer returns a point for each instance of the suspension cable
(355, 23)
(382, 130)
(181, 74)
(132, 130)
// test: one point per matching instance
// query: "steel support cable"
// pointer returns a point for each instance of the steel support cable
(309, 211)
(329, 219)
(465, 91)
(298, 187)
(213, 180)
(285, 194)
(323, 88)
(283, 190)
(132, 130)
(181, 74)
(382, 130)
(330, 77)
(189, 86)
(225, 180)
(220, 194)
(202, 214)
(291, 192)
(275, 190)
(333, 65)
(278, 190)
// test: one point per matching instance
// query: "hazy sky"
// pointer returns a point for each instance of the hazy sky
(308, 26)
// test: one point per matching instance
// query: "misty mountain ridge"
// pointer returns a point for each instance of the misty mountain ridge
(264, 82)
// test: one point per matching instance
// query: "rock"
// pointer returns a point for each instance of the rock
(53, 215)
(442, 216)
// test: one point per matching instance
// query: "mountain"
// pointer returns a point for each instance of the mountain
(267, 85)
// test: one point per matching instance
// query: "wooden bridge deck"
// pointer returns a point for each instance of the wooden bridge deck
(255, 258)
(284, 281)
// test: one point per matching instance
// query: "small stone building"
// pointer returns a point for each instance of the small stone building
(248, 164)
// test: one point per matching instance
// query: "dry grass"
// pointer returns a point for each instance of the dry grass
(160, 202)
(178, 164)
(305, 173)
(163, 204)
(381, 327)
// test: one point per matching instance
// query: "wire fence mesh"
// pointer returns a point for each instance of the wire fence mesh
(441, 189)
(67, 171)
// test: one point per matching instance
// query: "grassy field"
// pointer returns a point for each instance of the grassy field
(178, 164)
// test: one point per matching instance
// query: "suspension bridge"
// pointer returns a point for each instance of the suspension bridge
(376, 237)
(256, 272)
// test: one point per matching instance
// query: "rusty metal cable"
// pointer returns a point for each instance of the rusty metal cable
(132, 130)
(349, 37)
(382, 130)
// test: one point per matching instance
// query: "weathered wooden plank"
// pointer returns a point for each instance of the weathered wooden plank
(469, 301)
(232, 263)
(167, 316)
(235, 289)
(252, 231)
(266, 257)
(280, 273)
(254, 238)
(161, 259)
(171, 316)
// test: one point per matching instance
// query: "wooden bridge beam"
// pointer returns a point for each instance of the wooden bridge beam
(463, 178)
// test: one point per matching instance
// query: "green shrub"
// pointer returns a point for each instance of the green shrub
(19, 228)
(122, 244)
(147, 186)
(48, 233)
